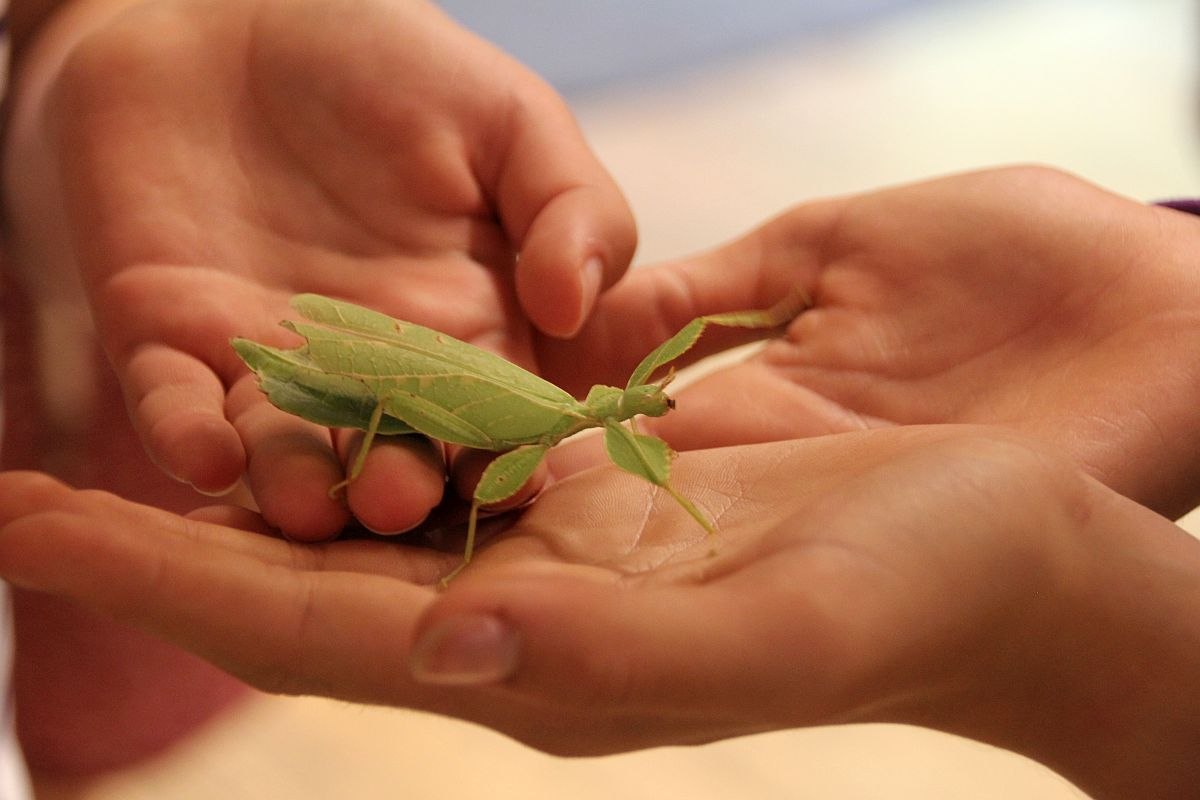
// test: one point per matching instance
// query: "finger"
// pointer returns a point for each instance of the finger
(468, 467)
(280, 628)
(236, 517)
(223, 526)
(177, 406)
(573, 227)
(676, 657)
(652, 303)
(576, 455)
(291, 467)
(23, 492)
(771, 406)
(402, 480)
(576, 248)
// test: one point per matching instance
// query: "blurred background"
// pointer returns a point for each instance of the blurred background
(714, 115)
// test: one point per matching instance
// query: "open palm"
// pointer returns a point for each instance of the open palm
(211, 163)
(823, 548)
(932, 575)
(1021, 297)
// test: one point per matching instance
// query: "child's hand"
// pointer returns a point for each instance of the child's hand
(197, 164)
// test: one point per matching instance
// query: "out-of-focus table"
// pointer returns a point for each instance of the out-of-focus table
(1101, 87)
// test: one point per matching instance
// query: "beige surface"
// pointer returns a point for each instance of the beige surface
(1102, 88)
(309, 748)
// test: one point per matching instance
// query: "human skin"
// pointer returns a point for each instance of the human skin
(173, 172)
(92, 694)
(192, 165)
(1021, 297)
(959, 579)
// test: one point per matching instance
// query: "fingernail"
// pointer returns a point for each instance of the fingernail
(592, 277)
(465, 650)
(213, 492)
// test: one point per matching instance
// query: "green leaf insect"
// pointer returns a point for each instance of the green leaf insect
(362, 369)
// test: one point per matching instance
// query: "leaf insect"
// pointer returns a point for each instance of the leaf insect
(362, 369)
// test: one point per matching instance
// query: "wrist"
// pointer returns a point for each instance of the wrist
(1087, 661)
(1119, 701)
(1179, 457)
(1154, 457)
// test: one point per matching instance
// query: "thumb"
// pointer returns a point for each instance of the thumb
(575, 231)
(652, 303)
(631, 664)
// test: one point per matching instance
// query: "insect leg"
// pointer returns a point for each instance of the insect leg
(649, 458)
(503, 478)
(779, 314)
(690, 507)
(360, 458)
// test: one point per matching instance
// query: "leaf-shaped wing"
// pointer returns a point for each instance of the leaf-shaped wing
(354, 359)
(293, 384)
(355, 340)
(402, 360)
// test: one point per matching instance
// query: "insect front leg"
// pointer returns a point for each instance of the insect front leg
(649, 458)
(779, 314)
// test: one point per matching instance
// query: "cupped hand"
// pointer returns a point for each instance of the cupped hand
(197, 164)
(938, 576)
(603, 602)
(1022, 297)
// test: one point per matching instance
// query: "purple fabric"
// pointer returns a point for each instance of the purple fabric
(1190, 205)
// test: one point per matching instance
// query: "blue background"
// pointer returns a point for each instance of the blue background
(580, 45)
